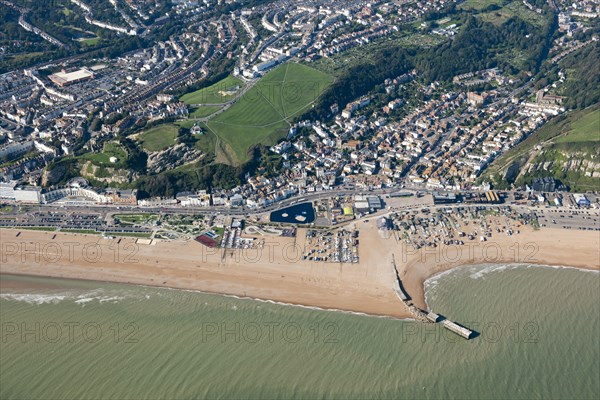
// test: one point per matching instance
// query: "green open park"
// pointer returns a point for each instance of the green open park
(480, 4)
(506, 11)
(219, 93)
(159, 137)
(111, 149)
(132, 219)
(264, 113)
(204, 111)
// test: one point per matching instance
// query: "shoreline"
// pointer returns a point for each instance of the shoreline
(366, 288)
(588, 259)
(309, 307)
(191, 266)
(230, 296)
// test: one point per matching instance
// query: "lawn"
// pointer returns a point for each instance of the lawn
(81, 231)
(6, 209)
(110, 149)
(202, 112)
(131, 234)
(36, 228)
(584, 129)
(264, 113)
(186, 123)
(206, 142)
(24, 56)
(91, 41)
(215, 94)
(480, 4)
(160, 137)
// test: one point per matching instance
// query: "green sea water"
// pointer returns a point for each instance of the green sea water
(539, 337)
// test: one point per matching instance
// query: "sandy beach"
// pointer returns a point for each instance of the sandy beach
(277, 273)
(552, 247)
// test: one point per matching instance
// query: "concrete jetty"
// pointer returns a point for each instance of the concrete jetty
(427, 315)
(450, 325)
(405, 297)
(433, 317)
(458, 329)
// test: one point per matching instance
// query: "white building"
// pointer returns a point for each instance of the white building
(7, 190)
(28, 194)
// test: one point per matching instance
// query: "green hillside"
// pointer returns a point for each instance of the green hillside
(264, 113)
(567, 148)
(219, 93)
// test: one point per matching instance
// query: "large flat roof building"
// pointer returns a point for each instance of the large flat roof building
(64, 78)
(444, 198)
(28, 194)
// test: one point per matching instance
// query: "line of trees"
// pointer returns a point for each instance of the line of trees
(359, 80)
(478, 44)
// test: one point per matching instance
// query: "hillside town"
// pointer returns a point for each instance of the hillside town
(299, 199)
(444, 142)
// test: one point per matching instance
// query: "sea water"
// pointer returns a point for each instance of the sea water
(538, 337)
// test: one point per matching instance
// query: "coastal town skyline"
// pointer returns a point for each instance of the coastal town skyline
(299, 199)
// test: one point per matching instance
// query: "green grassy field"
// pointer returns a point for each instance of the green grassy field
(480, 4)
(212, 94)
(185, 123)
(584, 129)
(111, 149)
(206, 142)
(82, 231)
(91, 41)
(264, 113)
(160, 137)
(6, 209)
(24, 56)
(131, 234)
(36, 228)
(202, 112)
(131, 219)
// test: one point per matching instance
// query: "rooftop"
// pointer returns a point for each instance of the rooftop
(63, 78)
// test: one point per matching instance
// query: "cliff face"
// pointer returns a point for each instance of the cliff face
(107, 174)
(566, 149)
(171, 158)
(561, 161)
(579, 169)
(54, 175)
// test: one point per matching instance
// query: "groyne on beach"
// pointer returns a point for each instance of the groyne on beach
(427, 316)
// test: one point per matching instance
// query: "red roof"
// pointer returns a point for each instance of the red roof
(205, 240)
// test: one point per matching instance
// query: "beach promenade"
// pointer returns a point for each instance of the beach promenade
(276, 272)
